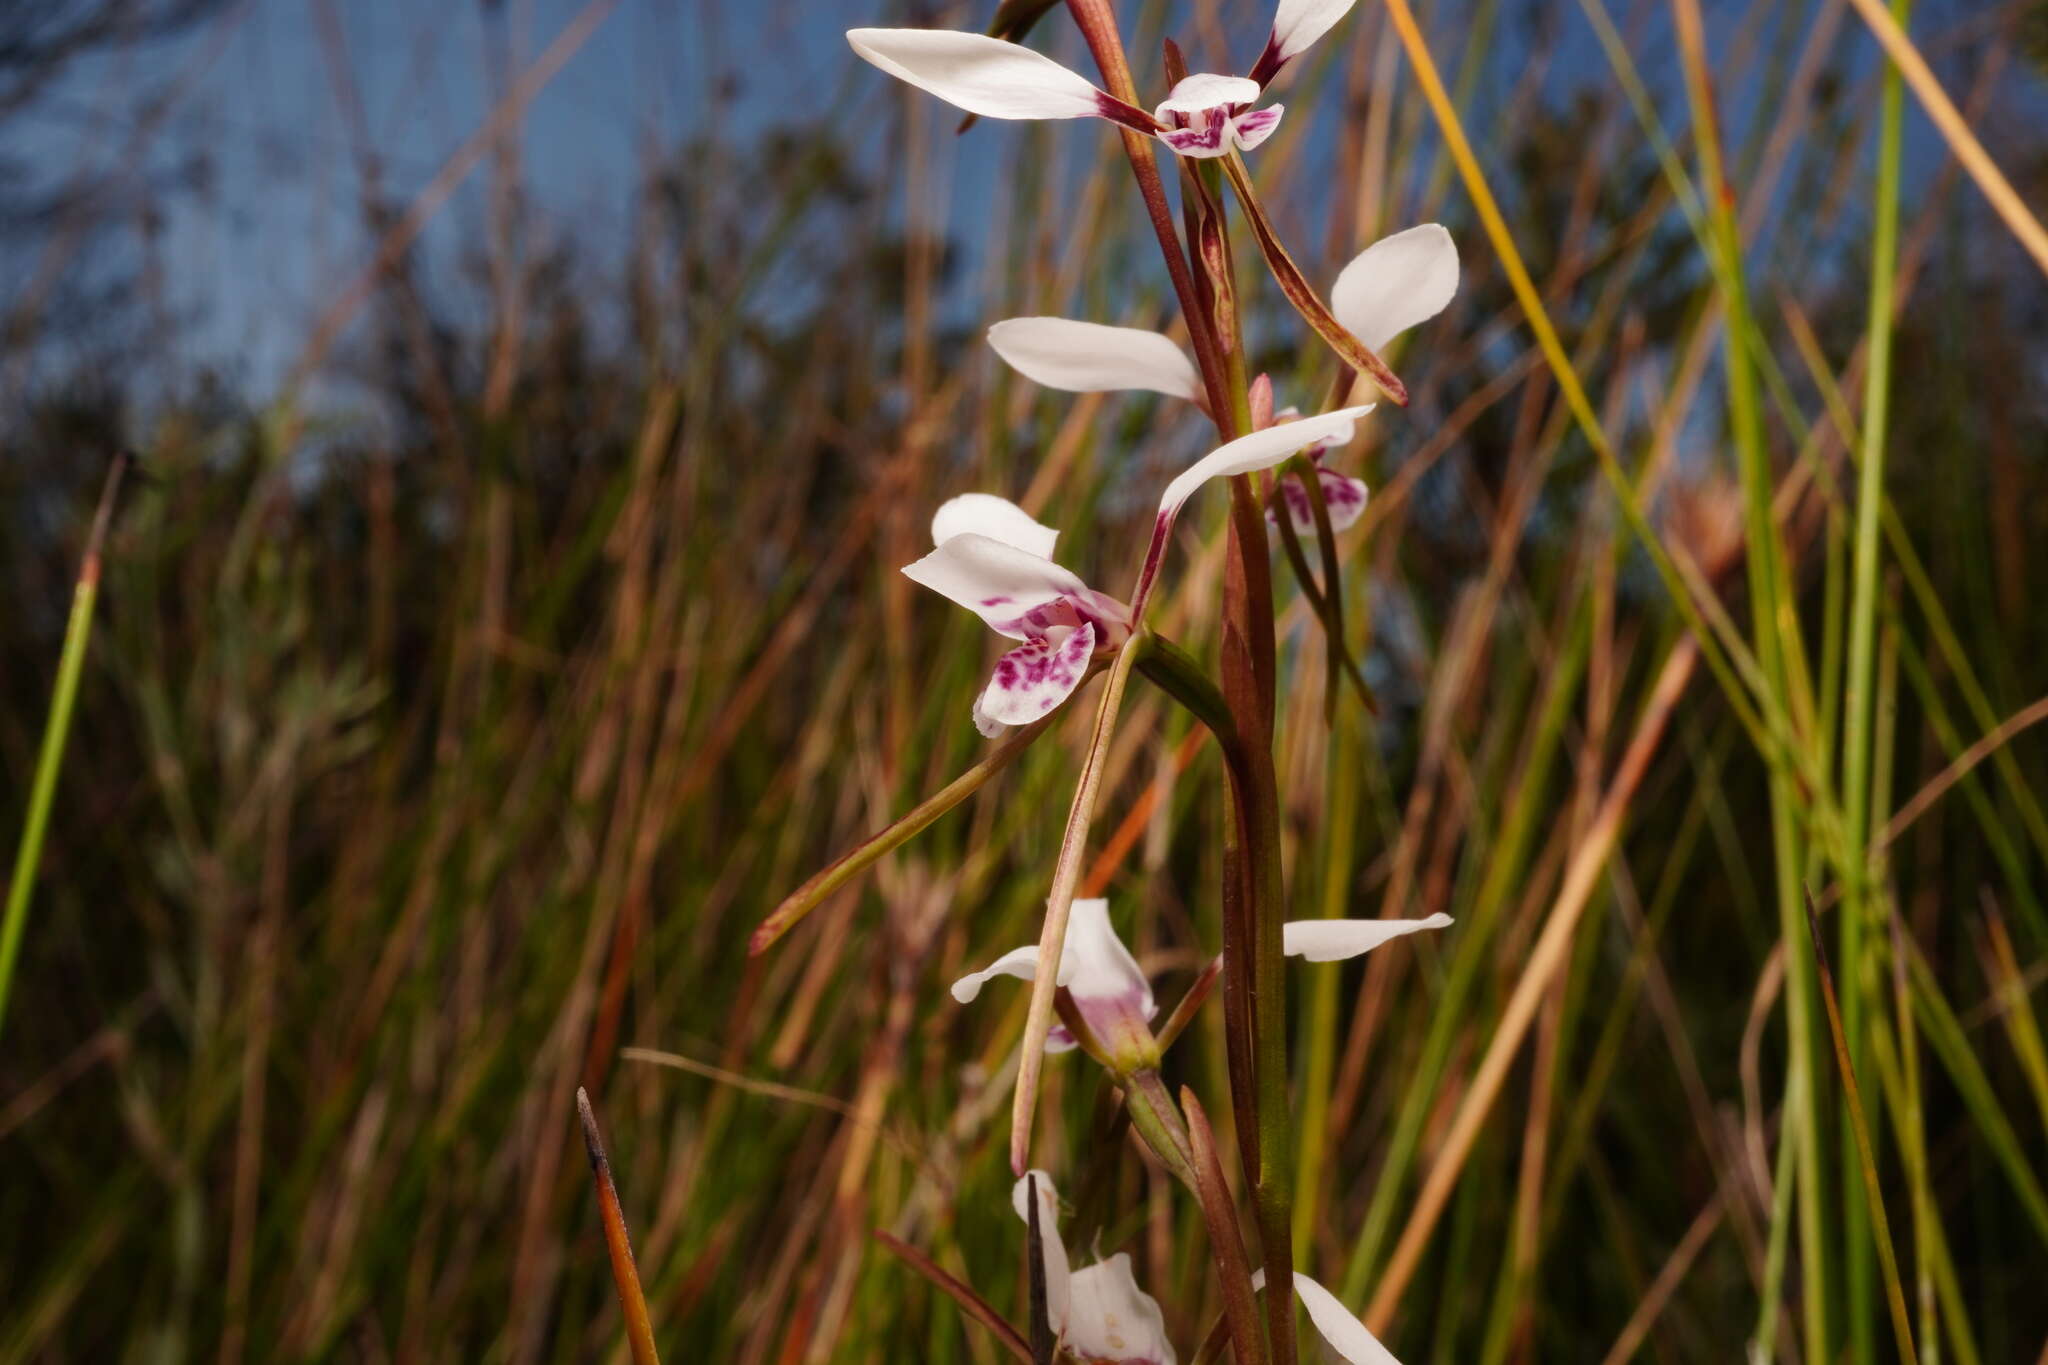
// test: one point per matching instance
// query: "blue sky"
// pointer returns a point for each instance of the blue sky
(249, 261)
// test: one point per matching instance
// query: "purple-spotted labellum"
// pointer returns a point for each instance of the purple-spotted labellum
(1206, 115)
(1343, 496)
(996, 561)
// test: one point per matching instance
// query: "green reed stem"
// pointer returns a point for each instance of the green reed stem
(1859, 713)
(50, 758)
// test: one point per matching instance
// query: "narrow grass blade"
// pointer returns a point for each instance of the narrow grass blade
(1880, 1226)
(1066, 876)
(633, 1303)
(1302, 294)
(50, 760)
(971, 1303)
(1043, 1342)
(862, 856)
(1226, 1242)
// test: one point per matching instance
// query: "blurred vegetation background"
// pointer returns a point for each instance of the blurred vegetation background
(509, 617)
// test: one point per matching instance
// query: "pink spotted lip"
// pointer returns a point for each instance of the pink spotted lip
(1207, 115)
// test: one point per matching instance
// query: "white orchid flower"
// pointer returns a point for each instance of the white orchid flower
(1335, 1323)
(994, 559)
(1396, 283)
(1107, 986)
(1205, 115)
(1208, 115)
(1097, 1312)
(1112, 994)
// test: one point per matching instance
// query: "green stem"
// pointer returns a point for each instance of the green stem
(50, 760)
(1857, 738)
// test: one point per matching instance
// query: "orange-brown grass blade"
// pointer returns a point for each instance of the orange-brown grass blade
(960, 1292)
(633, 1303)
(1302, 294)
(1880, 1227)
(1956, 129)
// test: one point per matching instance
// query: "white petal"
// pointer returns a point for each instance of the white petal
(1333, 940)
(1395, 283)
(1103, 967)
(1298, 23)
(1087, 357)
(1110, 1318)
(1033, 678)
(1058, 1279)
(988, 725)
(982, 75)
(1021, 963)
(1345, 1333)
(996, 581)
(1193, 94)
(997, 518)
(1260, 450)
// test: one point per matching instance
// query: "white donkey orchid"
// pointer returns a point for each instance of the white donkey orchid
(1112, 994)
(995, 559)
(1108, 988)
(1396, 283)
(1205, 115)
(1097, 1312)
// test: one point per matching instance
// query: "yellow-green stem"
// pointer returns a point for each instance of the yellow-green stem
(50, 758)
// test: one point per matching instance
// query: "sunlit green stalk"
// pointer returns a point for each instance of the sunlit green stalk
(1774, 619)
(56, 729)
(1857, 740)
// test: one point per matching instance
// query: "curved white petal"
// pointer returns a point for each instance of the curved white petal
(1395, 283)
(996, 581)
(1298, 23)
(1110, 1318)
(1058, 1279)
(988, 726)
(1087, 357)
(1204, 90)
(1333, 940)
(1021, 963)
(1260, 450)
(1346, 1334)
(1109, 988)
(1033, 678)
(1103, 967)
(982, 75)
(997, 518)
